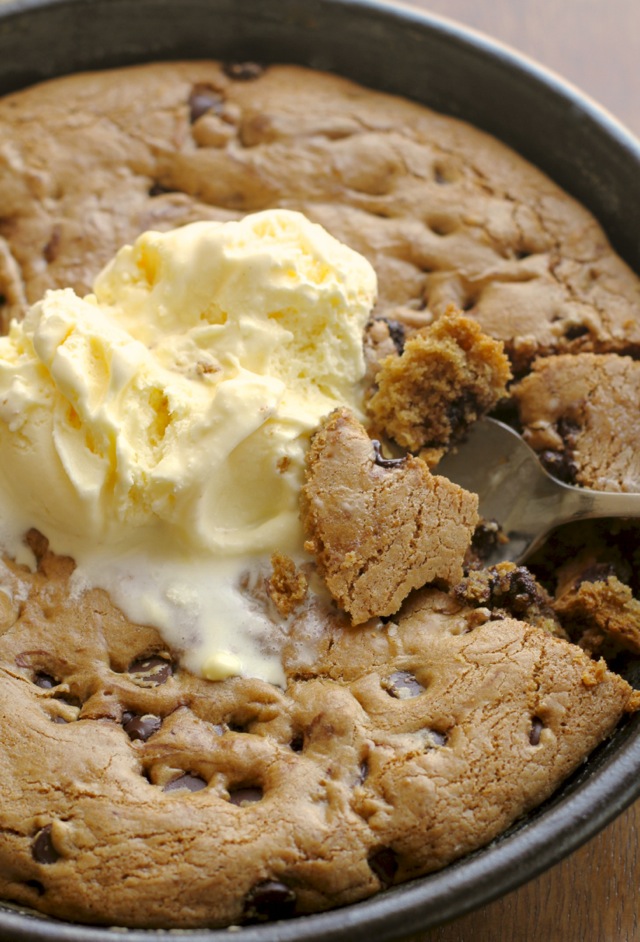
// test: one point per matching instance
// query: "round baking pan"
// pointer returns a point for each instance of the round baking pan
(461, 73)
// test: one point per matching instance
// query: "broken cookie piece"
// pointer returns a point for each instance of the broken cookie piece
(602, 616)
(508, 591)
(581, 414)
(489, 536)
(448, 375)
(379, 527)
(596, 608)
(287, 586)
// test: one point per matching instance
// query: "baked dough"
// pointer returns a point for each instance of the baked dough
(399, 744)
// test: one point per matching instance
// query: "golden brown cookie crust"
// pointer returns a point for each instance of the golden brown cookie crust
(394, 749)
(397, 746)
(581, 413)
(379, 527)
(448, 375)
(445, 213)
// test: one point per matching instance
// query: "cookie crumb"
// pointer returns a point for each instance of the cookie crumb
(287, 586)
(595, 674)
(508, 591)
(599, 613)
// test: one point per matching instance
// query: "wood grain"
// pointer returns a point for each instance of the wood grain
(590, 897)
(594, 895)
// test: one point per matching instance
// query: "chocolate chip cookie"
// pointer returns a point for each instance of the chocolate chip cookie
(425, 708)
(395, 748)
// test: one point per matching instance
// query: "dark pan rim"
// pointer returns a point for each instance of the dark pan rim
(599, 167)
(423, 903)
(609, 781)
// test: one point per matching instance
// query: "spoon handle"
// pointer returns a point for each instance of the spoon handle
(579, 504)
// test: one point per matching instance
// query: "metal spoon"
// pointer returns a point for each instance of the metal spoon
(494, 462)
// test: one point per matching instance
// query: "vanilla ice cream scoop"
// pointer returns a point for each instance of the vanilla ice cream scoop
(156, 429)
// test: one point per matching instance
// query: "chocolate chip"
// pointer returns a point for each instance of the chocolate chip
(153, 670)
(505, 592)
(297, 743)
(522, 591)
(384, 864)
(559, 464)
(461, 412)
(536, 728)
(140, 727)
(402, 685)
(42, 848)
(156, 189)
(188, 781)
(52, 248)
(35, 885)
(243, 71)
(574, 331)
(517, 593)
(486, 537)
(568, 429)
(383, 462)
(436, 737)
(397, 332)
(46, 681)
(204, 98)
(269, 900)
(247, 795)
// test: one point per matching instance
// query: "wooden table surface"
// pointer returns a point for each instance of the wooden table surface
(592, 896)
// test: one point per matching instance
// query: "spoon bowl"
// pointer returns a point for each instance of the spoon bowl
(517, 493)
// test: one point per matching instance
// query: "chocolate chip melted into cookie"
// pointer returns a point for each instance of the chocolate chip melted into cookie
(383, 462)
(269, 900)
(309, 787)
(578, 412)
(153, 670)
(140, 727)
(204, 99)
(42, 847)
(378, 761)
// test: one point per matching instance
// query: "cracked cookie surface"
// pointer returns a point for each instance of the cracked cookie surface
(396, 746)
(394, 749)
(445, 213)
